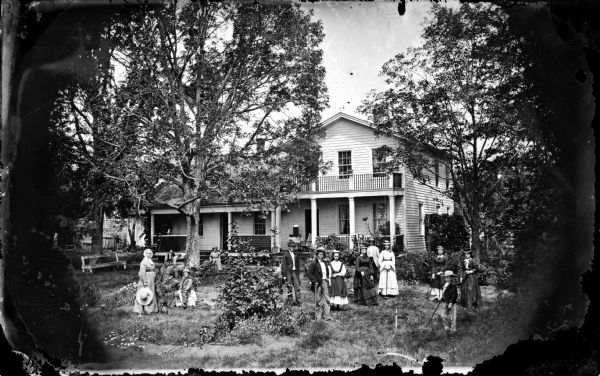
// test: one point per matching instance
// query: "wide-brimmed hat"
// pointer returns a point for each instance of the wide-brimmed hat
(448, 273)
(334, 252)
(363, 246)
(386, 242)
(320, 249)
(144, 296)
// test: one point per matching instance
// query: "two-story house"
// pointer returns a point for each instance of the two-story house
(354, 197)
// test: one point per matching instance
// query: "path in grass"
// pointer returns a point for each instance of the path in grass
(356, 335)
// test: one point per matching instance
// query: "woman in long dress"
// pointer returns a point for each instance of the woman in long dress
(388, 284)
(337, 292)
(364, 286)
(470, 294)
(439, 266)
(147, 276)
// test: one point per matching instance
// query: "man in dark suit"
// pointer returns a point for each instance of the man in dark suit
(320, 278)
(290, 271)
(449, 297)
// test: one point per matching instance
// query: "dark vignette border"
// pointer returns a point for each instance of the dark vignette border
(571, 350)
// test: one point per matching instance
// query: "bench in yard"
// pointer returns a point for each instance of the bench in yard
(101, 261)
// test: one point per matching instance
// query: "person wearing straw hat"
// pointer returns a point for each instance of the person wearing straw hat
(338, 292)
(388, 284)
(147, 275)
(470, 294)
(187, 293)
(449, 298)
(319, 276)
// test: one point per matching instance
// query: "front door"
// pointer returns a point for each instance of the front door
(308, 223)
(224, 229)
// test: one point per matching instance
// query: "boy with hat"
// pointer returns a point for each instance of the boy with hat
(449, 297)
(319, 276)
(186, 291)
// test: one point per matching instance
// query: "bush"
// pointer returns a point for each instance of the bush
(250, 291)
(289, 321)
(412, 268)
(446, 230)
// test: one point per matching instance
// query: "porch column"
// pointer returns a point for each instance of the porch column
(273, 234)
(278, 225)
(229, 229)
(352, 218)
(392, 216)
(313, 221)
(151, 229)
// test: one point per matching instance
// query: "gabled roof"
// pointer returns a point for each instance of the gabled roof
(340, 115)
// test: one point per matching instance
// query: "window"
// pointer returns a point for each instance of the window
(438, 210)
(447, 168)
(437, 173)
(344, 219)
(260, 224)
(379, 216)
(378, 162)
(345, 164)
(448, 210)
(421, 220)
(200, 225)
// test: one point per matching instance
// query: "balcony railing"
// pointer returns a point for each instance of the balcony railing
(333, 183)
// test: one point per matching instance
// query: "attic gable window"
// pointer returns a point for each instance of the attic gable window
(345, 164)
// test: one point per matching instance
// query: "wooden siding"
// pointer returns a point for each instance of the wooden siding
(212, 232)
(360, 140)
(417, 193)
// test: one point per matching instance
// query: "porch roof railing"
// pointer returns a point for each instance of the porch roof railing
(354, 182)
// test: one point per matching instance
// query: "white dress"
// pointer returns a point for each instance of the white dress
(388, 284)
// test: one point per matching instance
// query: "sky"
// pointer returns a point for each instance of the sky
(359, 39)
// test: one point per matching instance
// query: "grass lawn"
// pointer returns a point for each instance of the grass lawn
(357, 335)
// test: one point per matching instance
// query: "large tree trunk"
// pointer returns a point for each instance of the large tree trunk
(475, 233)
(192, 246)
(97, 228)
(131, 226)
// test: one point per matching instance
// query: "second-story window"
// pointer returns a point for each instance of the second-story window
(345, 164)
(344, 219)
(260, 224)
(378, 162)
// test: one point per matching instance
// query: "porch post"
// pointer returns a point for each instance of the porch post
(352, 218)
(151, 229)
(229, 229)
(273, 234)
(313, 221)
(392, 216)
(278, 225)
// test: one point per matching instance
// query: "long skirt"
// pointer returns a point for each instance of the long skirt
(470, 294)
(437, 285)
(388, 284)
(153, 306)
(364, 291)
(337, 293)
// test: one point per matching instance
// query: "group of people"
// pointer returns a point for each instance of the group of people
(445, 290)
(375, 275)
(160, 290)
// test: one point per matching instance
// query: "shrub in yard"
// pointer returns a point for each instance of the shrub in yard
(317, 336)
(248, 331)
(413, 267)
(89, 293)
(250, 291)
